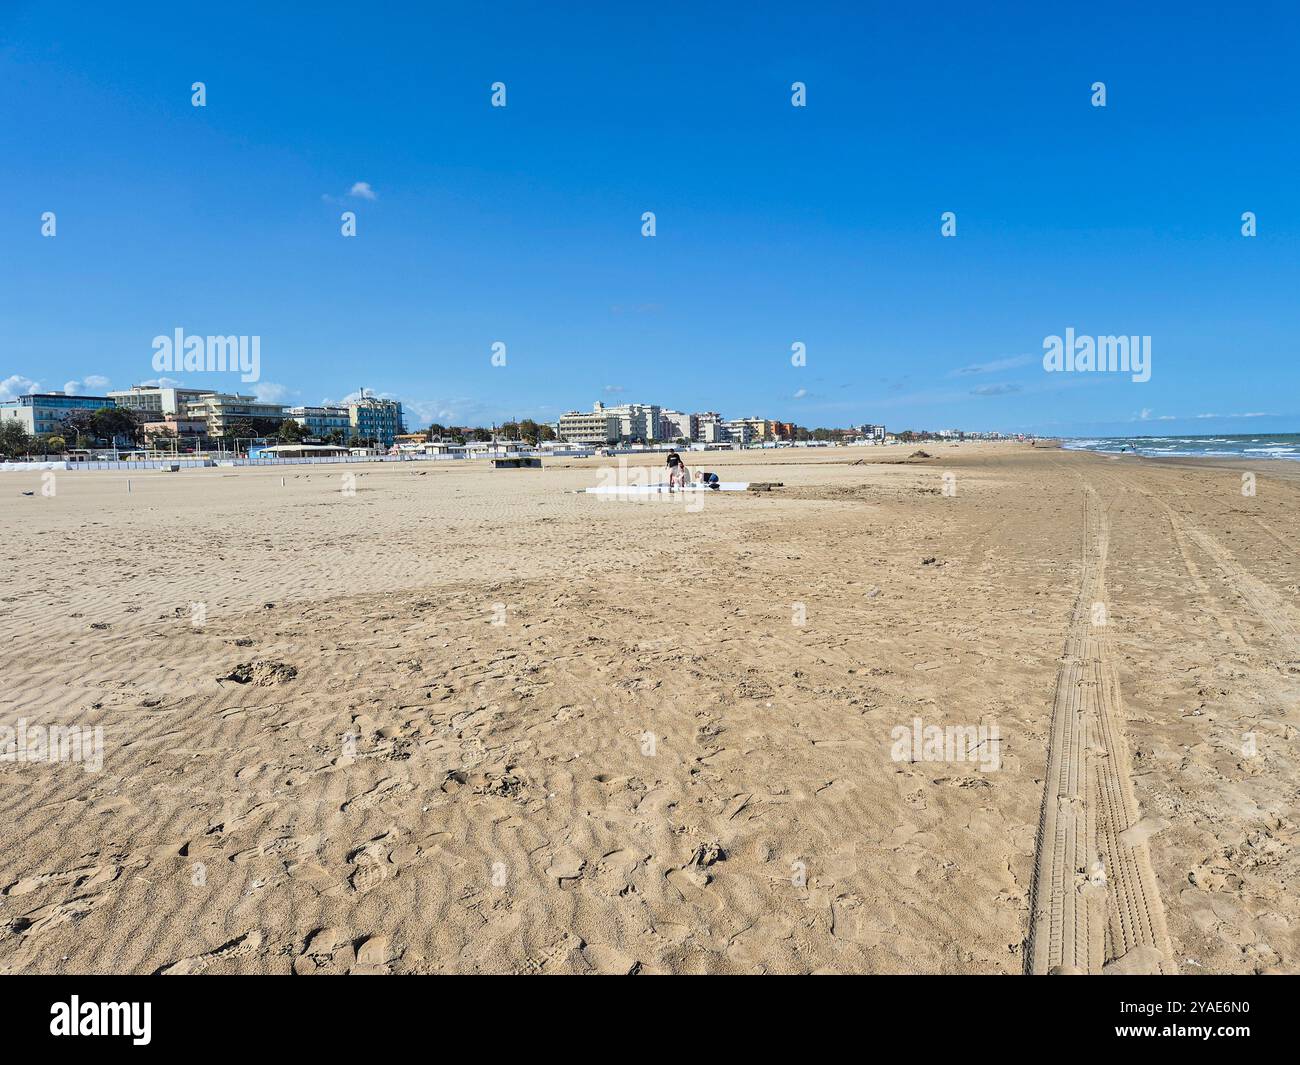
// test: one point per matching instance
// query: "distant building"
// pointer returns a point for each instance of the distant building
(184, 431)
(708, 428)
(674, 424)
(372, 418)
(443, 447)
(740, 430)
(150, 399)
(599, 427)
(636, 421)
(872, 432)
(759, 429)
(42, 413)
(321, 421)
(221, 410)
(297, 451)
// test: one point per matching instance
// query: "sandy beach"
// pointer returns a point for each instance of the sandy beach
(465, 720)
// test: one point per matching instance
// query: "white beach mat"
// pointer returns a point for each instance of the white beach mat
(663, 489)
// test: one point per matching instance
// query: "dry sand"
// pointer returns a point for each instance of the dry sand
(649, 764)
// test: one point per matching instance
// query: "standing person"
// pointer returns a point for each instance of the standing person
(677, 471)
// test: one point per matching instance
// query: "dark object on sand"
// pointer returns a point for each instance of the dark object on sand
(765, 486)
(261, 672)
(920, 455)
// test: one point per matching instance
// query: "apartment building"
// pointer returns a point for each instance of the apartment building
(636, 421)
(674, 424)
(158, 401)
(708, 428)
(759, 429)
(740, 430)
(42, 413)
(599, 427)
(372, 418)
(221, 410)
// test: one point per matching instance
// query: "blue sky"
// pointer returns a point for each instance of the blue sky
(775, 224)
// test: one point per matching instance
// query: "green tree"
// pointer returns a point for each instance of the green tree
(79, 426)
(291, 431)
(162, 438)
(15, 440)
(116, 425)
(55, 445)
(239, 429)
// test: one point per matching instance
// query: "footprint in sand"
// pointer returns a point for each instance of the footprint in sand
(284, 845)
(328, 952)
(86, 877)
(372, 862)
(47, 917)
(239, 947)
(565, 865)
(613, 873)
(388, 788)
(610, 961)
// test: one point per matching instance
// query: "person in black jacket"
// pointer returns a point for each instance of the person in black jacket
(678, 474)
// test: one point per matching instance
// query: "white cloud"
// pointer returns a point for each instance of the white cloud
(801, 393)
(270, 392)
(16, 385)
(1009, 363)
(162, 382)
(362, 191)
(461, 411)
(93, 383)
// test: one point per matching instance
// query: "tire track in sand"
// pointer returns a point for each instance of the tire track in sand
(1263, 601)
(1095, 903)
